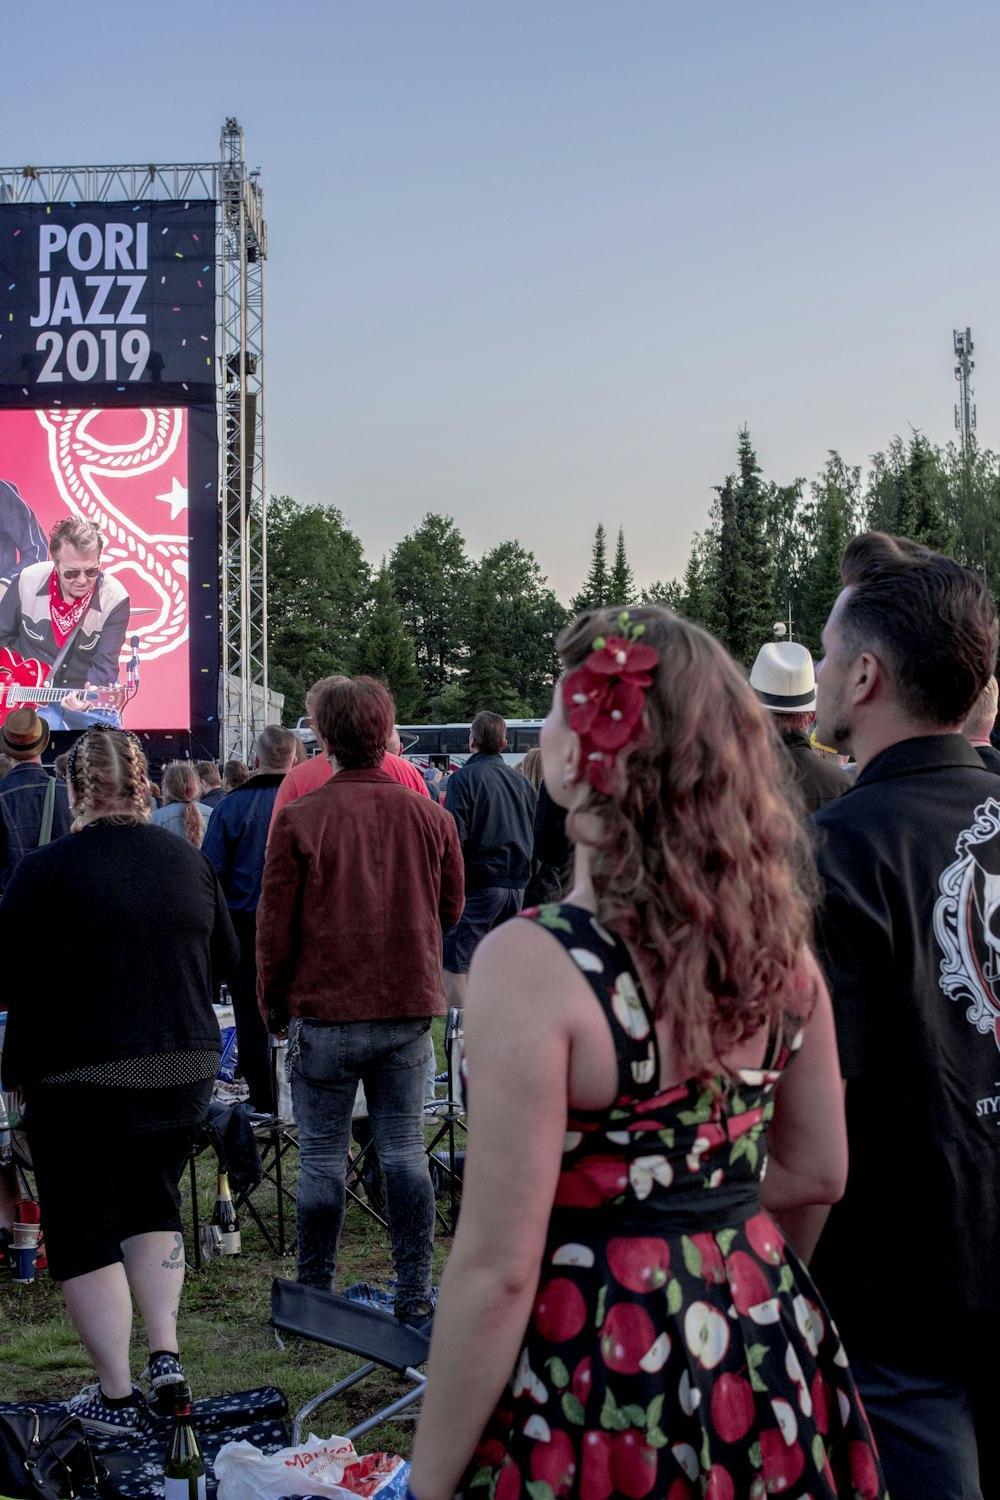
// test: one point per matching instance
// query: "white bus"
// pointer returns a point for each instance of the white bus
(444, 745)
(447, 745)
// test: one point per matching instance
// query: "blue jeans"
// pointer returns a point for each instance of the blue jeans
(325, 1063)
(57, 717)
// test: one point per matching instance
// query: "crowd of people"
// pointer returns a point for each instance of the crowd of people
(728, 948)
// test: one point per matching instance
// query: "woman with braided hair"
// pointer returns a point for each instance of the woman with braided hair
(116, 1068)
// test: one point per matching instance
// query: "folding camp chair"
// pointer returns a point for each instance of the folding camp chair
(377, 1337)
(448, 1116)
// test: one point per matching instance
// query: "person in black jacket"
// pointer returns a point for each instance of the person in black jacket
(115, 1057)
(784, 680)
(235, 844)
(494, 808)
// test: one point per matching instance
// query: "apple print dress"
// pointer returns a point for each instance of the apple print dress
(676, 1347)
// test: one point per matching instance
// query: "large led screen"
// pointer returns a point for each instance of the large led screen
(129, 471)
(107, 304)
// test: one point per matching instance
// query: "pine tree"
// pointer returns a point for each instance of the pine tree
(486, 682)
(908, 494)
(667, 595)
(594, 594)
(384, 650)
(621, 583)
(694, 593)
(742, 576)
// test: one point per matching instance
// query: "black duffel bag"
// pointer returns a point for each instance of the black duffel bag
(44, 1455)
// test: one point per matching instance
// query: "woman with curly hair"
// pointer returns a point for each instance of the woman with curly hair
(115, 1054)
(621, 1315)
(183, 812)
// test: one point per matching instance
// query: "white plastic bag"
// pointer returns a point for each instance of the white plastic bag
(328, 1467)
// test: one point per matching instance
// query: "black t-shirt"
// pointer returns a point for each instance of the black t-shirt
(909, 934)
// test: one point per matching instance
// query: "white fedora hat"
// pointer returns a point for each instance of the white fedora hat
(784, 678)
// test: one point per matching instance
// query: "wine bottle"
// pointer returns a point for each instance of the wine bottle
(224, 1218)
(184, 1467)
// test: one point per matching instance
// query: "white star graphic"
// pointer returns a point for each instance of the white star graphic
(177, 498)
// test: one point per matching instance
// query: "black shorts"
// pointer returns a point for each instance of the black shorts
(96, 1191)
(484, 910)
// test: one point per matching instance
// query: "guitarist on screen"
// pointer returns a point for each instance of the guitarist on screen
(69, 616)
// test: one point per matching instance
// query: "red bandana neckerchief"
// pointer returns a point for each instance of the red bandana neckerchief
(65, 616)
(604, 699)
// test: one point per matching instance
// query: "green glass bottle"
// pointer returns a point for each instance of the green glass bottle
(184, 1468)
(224, 1218)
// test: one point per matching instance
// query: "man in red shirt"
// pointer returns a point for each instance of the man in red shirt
(316, 772)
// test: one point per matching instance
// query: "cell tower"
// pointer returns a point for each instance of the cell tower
(965, 410)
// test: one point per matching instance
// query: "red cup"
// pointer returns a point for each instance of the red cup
(27, 1211)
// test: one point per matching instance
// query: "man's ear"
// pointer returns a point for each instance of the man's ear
(866, 677)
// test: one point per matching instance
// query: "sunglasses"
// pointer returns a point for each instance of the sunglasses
(70, 573)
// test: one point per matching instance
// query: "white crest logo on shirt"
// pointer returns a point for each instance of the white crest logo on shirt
(967, 922)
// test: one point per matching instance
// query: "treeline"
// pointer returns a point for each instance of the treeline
(447, 634)
(450, 634)
(772, 551)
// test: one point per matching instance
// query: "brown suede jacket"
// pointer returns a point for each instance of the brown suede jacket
(360, 877)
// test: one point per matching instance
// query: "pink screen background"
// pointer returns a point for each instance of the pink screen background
(127, 470)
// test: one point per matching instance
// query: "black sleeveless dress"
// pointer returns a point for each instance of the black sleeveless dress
(677, 1347)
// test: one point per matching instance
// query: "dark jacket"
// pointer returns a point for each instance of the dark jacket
(818, 780)
(236, 840)
(25, 625)
(361, 876)
(553, 853)
(214, 797)
(909, 859)
(494, 808)
(22, 800)
(139, 918)
(22, 540)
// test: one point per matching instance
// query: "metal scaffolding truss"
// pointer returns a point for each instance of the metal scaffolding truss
(240, 251)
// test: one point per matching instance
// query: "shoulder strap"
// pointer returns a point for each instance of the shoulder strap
(48, 811)
(604, 962)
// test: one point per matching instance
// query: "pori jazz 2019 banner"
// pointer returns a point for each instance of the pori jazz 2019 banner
(108, 390)
(126, 469)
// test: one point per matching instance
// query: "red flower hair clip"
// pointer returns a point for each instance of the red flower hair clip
(604, 699)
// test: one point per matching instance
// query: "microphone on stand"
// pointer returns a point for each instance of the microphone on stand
(132, 669)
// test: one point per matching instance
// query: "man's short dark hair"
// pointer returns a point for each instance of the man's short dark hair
(931, 620)
(489, 732)
(234, 774)
(355, 718)
(208, 772)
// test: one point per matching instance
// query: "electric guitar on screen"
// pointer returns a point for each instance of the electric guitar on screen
(22, 680)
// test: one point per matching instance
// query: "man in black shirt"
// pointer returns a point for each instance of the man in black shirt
(494, 808)
(909, 934)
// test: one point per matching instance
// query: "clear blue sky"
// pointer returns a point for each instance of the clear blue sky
(533, 263)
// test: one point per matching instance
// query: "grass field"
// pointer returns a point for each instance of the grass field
(226, 1339)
